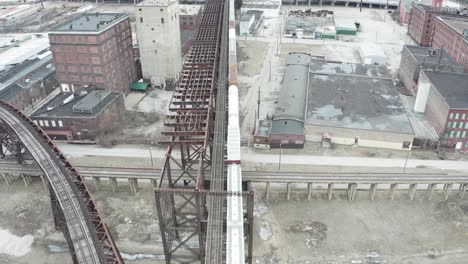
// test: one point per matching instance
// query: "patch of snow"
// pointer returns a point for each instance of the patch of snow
(265, 231)
(126, 256)
(14, 245)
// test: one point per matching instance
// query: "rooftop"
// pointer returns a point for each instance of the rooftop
(292, 97)
(36, 65)
(189, 10)
(355, 96)
(452, 86)
(90, 22)
(16, 49)
(156, 2)
(63, 104)
(423, 54)
(246, 17)
(457, 24)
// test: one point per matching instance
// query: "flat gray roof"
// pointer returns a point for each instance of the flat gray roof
(246, 17)
(452, 86)
(59, 109)
(355, 96)
(292, 97)
(90, 22)
(422, 54)
(458, 24)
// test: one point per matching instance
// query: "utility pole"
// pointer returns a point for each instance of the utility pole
(269, 78)
(258, 103)
(279, 163)
(406, 161)
(360, 7)
(151, 153)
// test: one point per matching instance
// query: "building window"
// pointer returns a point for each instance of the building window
(155, 51)
(461, 125)
(451, 133)
(448, 124)
(454, 125)
(46, 123)
(141, 20)
(41, 123)
(162, 20)
(466, 125)
(463, 116)
(152, 29)
(161, 9)
(451, 116)
(35, 122)
(139, 9)
(60, 124)
(53, 123)
(457, 115)
(464, 134)
(458, 134)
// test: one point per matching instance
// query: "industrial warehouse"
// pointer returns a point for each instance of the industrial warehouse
(338, 103)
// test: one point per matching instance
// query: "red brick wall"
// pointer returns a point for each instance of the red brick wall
(421, 25)
(104, 60)
(452, 42)
(456, 129)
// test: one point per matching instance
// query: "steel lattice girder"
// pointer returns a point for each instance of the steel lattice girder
(184, 210)
(109, 248)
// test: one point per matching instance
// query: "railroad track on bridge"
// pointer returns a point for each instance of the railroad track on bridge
(73, 207)
(259, 176)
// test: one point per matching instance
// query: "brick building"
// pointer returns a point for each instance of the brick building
(74, 116)
(416, 58)
(451, 34)
(189, 16)
(442, 96)
(94, 50)
(25, 84)
(422, 21)
(404, 10)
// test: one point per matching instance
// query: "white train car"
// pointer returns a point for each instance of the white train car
(235, 253)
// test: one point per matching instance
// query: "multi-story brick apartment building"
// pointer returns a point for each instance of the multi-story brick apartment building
(417, 58)
(442, 96)
(94, 49)
(422, 21)
(451, 34)
(74, 116)
(189, 16)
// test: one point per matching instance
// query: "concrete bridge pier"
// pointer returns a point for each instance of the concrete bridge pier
(352, 187)
(288, 191)
(113, 183)
(26, 179)
(133, 186)
(309, 191)
(97, 182)
(447, 190)
(154, 183)
(462, 190)
(330, 190)
(6, 177)
(346, 4)
(44, 180)
(267, 191)
(412, 191)
(393, 188)
(373, 189)
(430, 190)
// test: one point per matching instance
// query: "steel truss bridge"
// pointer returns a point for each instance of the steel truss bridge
(73, 207)
(191, 195)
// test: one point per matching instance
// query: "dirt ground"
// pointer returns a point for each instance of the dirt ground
(361, 231)
(131, 219)
(295, 231)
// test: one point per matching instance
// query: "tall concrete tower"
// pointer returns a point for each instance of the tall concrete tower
(158, 33)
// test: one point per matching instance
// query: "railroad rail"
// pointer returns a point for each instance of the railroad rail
(258, 176)
(74, 209)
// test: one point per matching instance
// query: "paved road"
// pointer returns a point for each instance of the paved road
(248, 155)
